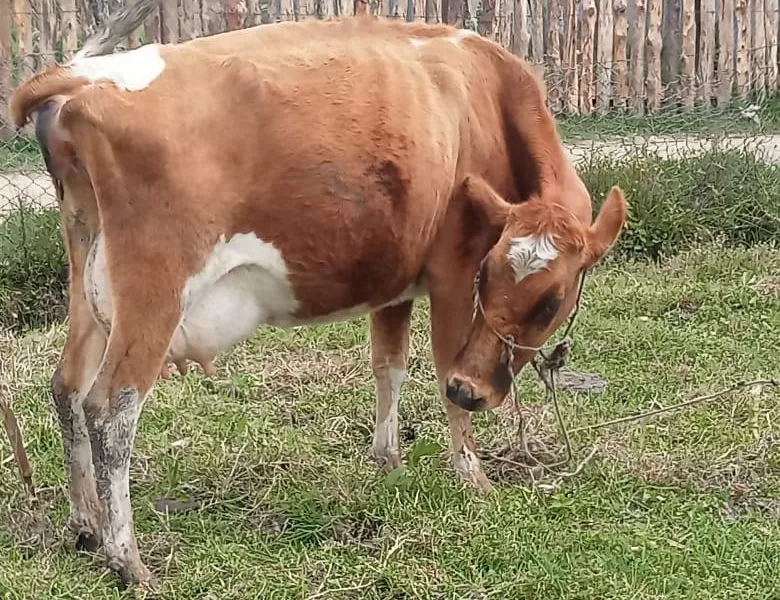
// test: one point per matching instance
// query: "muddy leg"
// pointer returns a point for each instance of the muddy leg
(74, 375)
(132, 362)
(450, 318)
(389, 355)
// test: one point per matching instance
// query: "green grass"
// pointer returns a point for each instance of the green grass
(20, 152)
(275, 448)
(730, 119)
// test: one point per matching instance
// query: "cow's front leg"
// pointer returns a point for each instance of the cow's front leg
(451, 310)
(389, 355)
(74, 375)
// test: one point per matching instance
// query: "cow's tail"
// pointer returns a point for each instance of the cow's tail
(59, 79)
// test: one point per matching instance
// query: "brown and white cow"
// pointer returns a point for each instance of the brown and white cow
(293, 174)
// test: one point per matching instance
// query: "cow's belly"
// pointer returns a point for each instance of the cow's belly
(244, 284)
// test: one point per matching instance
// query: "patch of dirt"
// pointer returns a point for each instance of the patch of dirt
(355, 530)
(580, 382)
(768, 286)
(682, 310)
(268, 523)
(742, 501)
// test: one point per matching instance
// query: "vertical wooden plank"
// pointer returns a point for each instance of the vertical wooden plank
(169, 22)
(505, 18)
(23, 11)
(571, 28)
(70, 25)
(190, 24)
(520, 37)
(725, 52)
(758, 48)
(743, 44)
(770, 34)
(152, 33)
(587, 41)
(553, 57)
(286, 11)
(637, 90)
(325, 9)
(6, 130)
(537, 36)
(433, 12)
(671, 49)
(604, 56)
(688, 55)
(47, 31)
(211, 15)
(620, 54)
(452, 12)
(705, 74)
(654, 41)
(235, 11)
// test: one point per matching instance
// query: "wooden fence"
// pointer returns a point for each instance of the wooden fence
(595, 55)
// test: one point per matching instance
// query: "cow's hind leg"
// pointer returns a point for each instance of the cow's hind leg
(77, 368)
(136, 349)
(389, 355)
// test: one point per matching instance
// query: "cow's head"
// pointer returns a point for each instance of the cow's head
(528, 286)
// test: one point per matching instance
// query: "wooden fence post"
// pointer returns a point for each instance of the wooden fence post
(70, 39)
(537, 36)
(587, 41)
(653, 83)
(6, 130)
(555, 79)
(743, 44)
(571, 27)
(688, 54)
(638, 59)
(771, 23)
(758, 48)
(706, 52)
(520, 37)
(620, 54)
(604, 57)
(725, 52)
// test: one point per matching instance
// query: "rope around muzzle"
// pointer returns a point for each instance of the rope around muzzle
(553, 358)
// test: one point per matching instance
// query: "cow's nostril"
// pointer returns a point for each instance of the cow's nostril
(462, 394)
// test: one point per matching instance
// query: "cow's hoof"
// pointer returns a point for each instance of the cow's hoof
(133, 575)
(469, 469)
(387, 460)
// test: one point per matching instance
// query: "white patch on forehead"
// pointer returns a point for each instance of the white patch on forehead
(530, 254)
(132, 70)
(417, 42)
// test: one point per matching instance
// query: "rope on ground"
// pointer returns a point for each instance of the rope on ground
(547, 369)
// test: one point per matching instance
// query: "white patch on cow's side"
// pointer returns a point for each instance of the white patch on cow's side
(530, 254)
(461, 35)
(419, 42)
(244, 283)
(132, 70)
(386, 442)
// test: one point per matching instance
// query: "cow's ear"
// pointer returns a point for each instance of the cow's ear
(490, 205)
(605, 231)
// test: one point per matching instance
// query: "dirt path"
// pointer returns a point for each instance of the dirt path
(34, 188)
